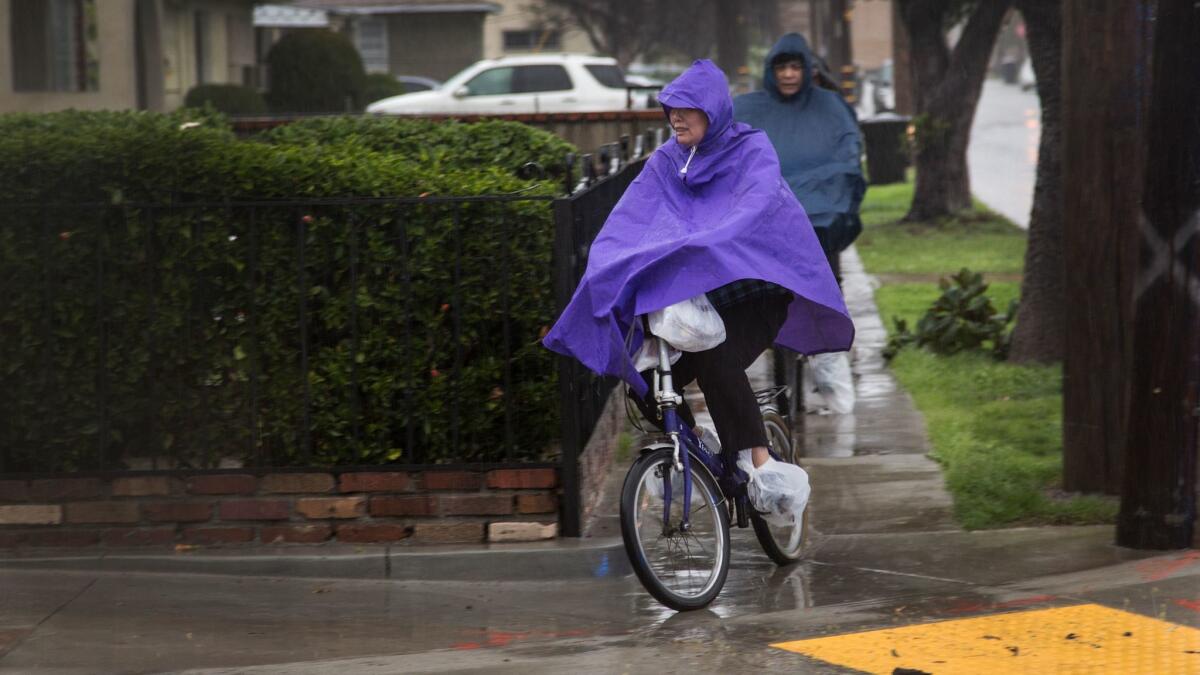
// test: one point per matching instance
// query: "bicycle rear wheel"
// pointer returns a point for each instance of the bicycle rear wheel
(779, 437)
(788, 544)
(682, 569)
(783, 545)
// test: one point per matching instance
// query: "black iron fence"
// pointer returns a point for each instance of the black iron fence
(578, 219)
(308, 332)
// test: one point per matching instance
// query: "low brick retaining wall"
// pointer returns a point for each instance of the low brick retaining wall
(433, 506)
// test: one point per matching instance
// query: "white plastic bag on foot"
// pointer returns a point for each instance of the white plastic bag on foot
(778, 490)
(834, 381)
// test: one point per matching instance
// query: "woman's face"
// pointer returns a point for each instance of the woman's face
(689, 125)
(789, 76)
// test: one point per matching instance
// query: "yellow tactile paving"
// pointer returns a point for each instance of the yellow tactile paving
(1079, 639)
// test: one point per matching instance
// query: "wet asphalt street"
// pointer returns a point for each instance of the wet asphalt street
(84, 622)
(1002, 155)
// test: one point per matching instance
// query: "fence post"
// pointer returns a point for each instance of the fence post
(572, 443)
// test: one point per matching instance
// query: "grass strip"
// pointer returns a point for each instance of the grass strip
(995, 427)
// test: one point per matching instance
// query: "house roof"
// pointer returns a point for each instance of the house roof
(400, 6)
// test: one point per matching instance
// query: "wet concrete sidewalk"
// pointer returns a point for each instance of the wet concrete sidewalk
(888, 556)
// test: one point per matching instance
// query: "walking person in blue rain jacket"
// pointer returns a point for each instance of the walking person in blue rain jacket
(817, 139)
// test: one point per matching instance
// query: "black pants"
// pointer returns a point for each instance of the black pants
(750, 328)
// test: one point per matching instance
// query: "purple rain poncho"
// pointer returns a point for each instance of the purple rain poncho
(683, 228)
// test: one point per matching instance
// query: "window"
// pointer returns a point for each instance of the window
(533, 40)
(609, 76)
(529, 79)
(370, 36)
(54, 45)
(492, 82)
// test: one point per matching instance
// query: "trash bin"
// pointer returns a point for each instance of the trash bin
(885, 136)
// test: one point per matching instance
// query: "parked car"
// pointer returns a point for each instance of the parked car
(523, 84)
(415, 83)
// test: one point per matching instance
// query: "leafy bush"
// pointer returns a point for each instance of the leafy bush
(962, 319)
(381, 85)
(231, 99)
(442, 144)
(315, 71)
(162, 320)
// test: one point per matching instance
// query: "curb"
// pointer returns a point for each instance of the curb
(542, 561)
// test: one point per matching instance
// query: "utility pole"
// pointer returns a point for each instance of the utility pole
(902, 79)
(841, 60)
(1105, 85)
(830, 40)
(1158, 497)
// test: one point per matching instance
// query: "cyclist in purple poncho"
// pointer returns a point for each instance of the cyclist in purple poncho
(710, 213)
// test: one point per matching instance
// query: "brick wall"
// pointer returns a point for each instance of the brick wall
(432, 506)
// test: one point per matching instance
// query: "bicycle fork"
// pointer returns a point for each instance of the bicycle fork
(667, 399)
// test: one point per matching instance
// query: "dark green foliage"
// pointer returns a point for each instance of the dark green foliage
(381, 85)
(174, 332)
(231, 99)
(962, 319)
(315, 71)
(439, 144)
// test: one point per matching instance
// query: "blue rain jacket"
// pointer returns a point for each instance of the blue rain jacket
(817, 139)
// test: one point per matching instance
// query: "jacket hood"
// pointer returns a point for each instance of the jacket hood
(702, 86)
(792, 43)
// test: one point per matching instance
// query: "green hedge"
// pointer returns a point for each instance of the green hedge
(444, 144)
(184, 320)
(315, 71)
(231, 99)
(380, 86)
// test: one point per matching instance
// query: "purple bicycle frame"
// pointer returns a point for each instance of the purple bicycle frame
(685, 442)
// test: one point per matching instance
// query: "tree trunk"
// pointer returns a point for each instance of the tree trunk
(946, 86)
(1104, 85)
(731, 39)
(1040, 333)
(1158, 499)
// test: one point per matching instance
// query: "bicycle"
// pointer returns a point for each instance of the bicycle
(679, 547)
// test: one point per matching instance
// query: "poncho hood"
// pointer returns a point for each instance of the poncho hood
(791, 43)
(815, 134)
(674, 235)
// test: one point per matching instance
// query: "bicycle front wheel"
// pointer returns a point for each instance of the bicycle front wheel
(684, 568)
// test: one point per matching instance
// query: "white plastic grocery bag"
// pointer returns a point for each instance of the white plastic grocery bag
(647, 356)
(691, 326)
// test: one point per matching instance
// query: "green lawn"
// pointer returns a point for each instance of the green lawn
(995, 427)
(982, 241)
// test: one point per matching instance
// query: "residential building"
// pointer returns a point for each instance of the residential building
(431, 38)
(120, 54)
(530, 26)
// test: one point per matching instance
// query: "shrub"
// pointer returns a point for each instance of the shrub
(962, 319)
(315, 71)
(381, 85)
(231, 99)
(443, 144)
(174, 331)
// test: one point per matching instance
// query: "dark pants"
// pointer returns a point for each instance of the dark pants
(837, 238)
(750, 328)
